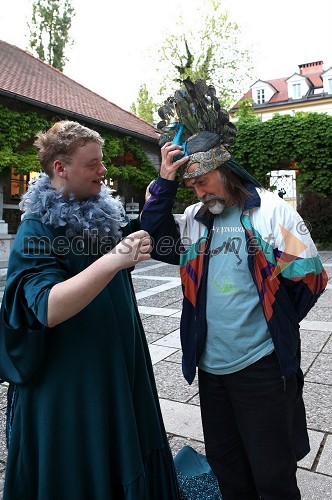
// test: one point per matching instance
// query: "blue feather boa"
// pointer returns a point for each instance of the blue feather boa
(101, 216)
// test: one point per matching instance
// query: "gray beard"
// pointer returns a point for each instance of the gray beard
(216, 207)
(214, 204)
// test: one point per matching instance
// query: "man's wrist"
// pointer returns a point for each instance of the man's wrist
(167, 177)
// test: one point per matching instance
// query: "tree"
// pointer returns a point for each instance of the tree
(49, 30)
(245, 110)
(211, 50)
(144, 106)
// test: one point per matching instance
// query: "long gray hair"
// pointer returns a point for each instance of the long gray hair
(233, 185)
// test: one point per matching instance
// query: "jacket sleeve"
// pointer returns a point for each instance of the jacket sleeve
(157, 219)
(299, 265)
(33, 269)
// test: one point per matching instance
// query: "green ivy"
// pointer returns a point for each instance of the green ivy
(304, 139)
(139, 176)
(17, 132)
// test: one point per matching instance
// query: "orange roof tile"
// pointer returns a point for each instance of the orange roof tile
(25, 76)
(280, 85)
(315, 80)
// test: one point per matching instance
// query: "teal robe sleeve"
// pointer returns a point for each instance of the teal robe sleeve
(33, 268)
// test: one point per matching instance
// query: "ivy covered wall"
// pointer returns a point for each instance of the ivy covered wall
(302, 142)
(124, 156)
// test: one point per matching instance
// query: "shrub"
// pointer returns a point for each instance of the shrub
(316, 209)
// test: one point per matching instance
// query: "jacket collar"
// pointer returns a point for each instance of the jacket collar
(254, 200)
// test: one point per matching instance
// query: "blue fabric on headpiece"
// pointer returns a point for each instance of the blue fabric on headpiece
(179, 128)
(241, 172)
(231, 164)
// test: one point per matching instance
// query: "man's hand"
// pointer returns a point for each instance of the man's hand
(131, 250)
(168, 166)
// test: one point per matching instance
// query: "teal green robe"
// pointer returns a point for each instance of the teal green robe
(87, 424)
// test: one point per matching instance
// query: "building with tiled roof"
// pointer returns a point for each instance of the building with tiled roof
(30, 80)
(29, 84)
(309, 89)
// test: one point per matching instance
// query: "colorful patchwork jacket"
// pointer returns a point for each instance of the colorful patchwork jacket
(282, 259)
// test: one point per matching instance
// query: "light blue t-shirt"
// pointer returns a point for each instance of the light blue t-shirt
(237, 333)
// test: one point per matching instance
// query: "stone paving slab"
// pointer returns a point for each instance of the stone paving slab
(195, 400)
(320, 314)
(322, 326)
(3, 444)
(147, 266)
(325, 255)
(314, 486)
(158, 352)
(182, 419)
(152, 337)
(168, 270)
(321, 370)
(177, 314)
(156, 311)
(315, 439)
(307, 359)
(325, 300)
(161, 324)
(317, 399)
(325, 463)
(157, 289)
(165, 298)
(313, 340)
(170, 340)
(162, 279)
(171, 384)
(141, 284)
(176, 357)
(328, 346)
(178, 305)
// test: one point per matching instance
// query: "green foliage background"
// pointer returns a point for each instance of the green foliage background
(303, 141)
(17, 132)
(140, 175)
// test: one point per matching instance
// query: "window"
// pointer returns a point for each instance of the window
(260, 96)
(329, 87)
(297, 91)
(19, 183)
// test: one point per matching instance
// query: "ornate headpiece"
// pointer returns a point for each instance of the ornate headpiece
(194, 119)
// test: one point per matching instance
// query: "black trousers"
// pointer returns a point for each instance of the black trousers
(247, 423)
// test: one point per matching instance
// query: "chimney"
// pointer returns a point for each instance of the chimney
(311, 68)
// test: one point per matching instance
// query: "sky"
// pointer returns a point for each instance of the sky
(115, 42)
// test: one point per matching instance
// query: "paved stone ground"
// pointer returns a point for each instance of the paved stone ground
(159, 297)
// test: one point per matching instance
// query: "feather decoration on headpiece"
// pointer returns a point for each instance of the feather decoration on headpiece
(197, 107)
(194, 119)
